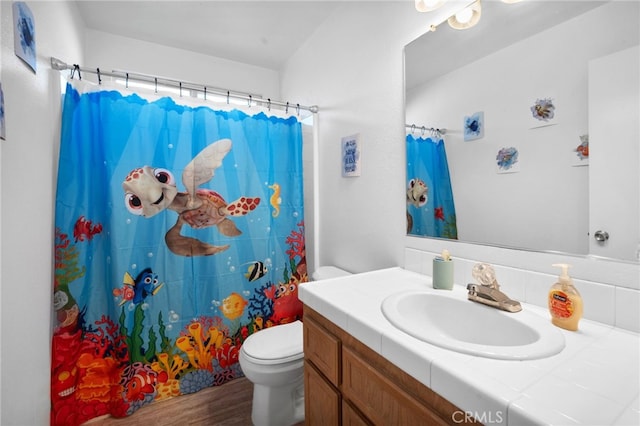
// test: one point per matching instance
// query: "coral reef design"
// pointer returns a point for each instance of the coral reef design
(116, 367)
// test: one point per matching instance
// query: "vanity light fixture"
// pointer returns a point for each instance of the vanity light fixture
(467, 17)
(428, 5)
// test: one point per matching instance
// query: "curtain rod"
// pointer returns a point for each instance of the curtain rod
(423, 129)
(59, 65)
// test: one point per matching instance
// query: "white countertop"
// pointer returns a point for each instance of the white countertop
(595, 380)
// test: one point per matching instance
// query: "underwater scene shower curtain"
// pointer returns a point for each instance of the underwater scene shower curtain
(179, 232)
(430, 208)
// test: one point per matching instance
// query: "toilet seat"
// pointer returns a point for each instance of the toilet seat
(275, 345)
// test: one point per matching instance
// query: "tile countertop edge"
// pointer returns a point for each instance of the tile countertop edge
(347, 301)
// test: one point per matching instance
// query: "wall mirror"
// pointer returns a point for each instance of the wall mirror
(521, 98)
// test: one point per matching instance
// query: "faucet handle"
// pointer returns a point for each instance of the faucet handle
(485, 275)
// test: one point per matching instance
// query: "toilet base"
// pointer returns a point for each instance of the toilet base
(278, 406)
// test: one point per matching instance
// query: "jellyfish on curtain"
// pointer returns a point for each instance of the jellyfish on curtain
(430, 205)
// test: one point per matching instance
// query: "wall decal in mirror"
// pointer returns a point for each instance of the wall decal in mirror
(507, 160)
(543, 110)
(474, 126)
(538, 102)
(582, 152)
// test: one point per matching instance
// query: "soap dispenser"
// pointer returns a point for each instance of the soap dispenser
(565, 303)
(443, 271)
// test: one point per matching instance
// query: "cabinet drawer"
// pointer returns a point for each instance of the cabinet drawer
(379, 399)
(322, 349)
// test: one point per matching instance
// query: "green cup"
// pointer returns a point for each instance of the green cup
(442, 274)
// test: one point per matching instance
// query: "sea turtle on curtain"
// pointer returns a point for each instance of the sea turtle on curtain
(417, 195)
(149, 191)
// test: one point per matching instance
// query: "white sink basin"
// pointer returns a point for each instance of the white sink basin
(469, 327)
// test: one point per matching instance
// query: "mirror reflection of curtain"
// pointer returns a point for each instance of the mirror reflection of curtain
(162, 272)
(430, 207)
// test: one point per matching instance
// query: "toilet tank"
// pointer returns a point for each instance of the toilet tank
(326, 272)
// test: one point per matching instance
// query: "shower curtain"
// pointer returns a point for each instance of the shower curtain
(179, 232)
(430, 208)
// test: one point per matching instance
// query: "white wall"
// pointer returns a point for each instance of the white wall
(29, 156)
(114, 52)
(352, 67)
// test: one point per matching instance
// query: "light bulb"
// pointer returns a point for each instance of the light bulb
(464, 15)
(466, 18)
(428, 5)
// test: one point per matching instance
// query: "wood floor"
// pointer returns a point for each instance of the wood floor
(226, 405)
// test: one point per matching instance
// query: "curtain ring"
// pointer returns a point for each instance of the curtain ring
(126, 82)
(227, 97)
(155, 80)
(99, 77)
(76, 67)
(269, 104)
(286, 110)
(249, 101)
(413, 128)
(423, 129)
(298, 110)
(205, 93)
(180, 84)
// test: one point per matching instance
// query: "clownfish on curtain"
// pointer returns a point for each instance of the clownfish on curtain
(179, 232)
(430, 208)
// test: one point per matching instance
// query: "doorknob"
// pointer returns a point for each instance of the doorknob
(601, 236)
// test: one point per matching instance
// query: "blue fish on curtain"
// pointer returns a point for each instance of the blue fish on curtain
(179, 232)
(430, 206)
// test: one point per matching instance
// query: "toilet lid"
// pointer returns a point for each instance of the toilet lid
(280, 343)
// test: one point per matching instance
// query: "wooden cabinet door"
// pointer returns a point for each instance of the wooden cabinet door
(323, 403)
(351, 417)
(323, 349)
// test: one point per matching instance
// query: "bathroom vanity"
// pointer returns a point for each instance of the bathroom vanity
(360, 369)
(347, 382)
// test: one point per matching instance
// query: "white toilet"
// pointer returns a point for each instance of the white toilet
(272, 360)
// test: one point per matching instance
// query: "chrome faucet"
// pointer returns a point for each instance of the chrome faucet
(487, 291)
